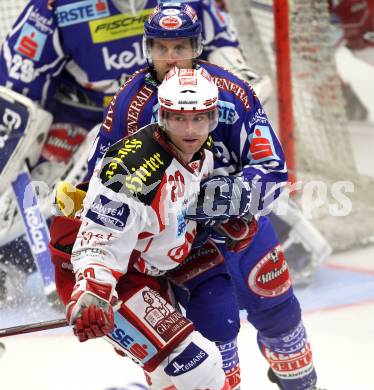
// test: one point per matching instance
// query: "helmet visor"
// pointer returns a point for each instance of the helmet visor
(178, 122)
(172, 49)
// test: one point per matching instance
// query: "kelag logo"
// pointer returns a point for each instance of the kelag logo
(118, 26)
(81, 11)
(109, 213)
(35, 226)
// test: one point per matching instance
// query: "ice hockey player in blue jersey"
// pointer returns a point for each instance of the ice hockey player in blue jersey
(249, 171)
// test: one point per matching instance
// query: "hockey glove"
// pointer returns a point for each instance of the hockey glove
(202, 235)
(239, 233)
(90, 309)
(220, 198)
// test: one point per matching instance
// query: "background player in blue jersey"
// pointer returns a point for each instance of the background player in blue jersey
(249, 169)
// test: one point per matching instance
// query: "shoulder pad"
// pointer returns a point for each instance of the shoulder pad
(135, 165)
(230, 83)
(130, 86)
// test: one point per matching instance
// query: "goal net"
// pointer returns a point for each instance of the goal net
(331, 192)
(9, 10)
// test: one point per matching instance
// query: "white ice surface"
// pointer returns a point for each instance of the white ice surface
(338, 312)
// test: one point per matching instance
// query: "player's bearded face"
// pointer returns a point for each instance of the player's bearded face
(187, 132)
(167, 53)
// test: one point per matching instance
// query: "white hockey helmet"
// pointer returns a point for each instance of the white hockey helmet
(188, 91)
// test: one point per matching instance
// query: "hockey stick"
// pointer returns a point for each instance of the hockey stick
(36, 228)
(35, 327)
(39, 326)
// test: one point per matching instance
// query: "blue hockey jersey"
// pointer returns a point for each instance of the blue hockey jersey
(80, 52)
(244, 139)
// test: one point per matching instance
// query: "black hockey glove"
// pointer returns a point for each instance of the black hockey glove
(220, 198)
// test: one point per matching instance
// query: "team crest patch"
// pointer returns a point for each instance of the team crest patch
(170, 22)
(163, 321)
(270, 277)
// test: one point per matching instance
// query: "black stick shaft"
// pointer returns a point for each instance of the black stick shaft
(35, 327)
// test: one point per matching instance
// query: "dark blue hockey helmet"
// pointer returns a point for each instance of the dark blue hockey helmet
(172, 21)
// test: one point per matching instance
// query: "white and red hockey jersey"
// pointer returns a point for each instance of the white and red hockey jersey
(134, 210)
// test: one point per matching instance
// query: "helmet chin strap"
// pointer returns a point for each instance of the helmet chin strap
(174, 147)
(129, 6)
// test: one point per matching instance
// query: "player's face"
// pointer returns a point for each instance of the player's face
(187, 132)
(167, 53)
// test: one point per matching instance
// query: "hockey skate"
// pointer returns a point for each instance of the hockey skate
(274, 379)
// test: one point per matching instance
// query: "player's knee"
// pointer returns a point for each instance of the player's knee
(195, 363)
(214, 310)
(278, 318)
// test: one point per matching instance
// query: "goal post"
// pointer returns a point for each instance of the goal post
(284, 85)
(308, 111)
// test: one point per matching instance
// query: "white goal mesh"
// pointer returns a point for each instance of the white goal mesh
(9, 10)
(323, 152)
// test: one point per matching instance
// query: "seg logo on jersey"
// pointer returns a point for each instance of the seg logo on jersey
(81, 11)
(31, 41)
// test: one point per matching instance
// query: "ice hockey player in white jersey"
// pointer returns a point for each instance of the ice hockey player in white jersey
(74, 80)
(133, 230)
